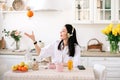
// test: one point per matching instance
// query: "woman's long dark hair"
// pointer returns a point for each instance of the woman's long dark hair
(72, 41)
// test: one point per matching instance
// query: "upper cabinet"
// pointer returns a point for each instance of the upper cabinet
(84, 11)
(117, 11)
(97, 11)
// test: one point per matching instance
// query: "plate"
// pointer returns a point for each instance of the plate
(17, 71)
(18, 5)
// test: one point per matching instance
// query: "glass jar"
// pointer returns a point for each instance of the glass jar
(28, 59)
(114, 47)
(35, 65)
(70, 64)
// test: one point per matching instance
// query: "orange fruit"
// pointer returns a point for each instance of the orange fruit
(24, 69)
(30, 13)
(20, 68)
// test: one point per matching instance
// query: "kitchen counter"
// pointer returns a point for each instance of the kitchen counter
(14, 52)
(83, 54)
(99, 54)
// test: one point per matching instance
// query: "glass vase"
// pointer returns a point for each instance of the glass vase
(17, 45)
(114, 47)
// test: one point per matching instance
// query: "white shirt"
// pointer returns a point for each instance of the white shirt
(59, 56)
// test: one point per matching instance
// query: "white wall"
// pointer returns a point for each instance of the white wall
(46, 26)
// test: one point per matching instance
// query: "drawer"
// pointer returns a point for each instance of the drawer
(113, 68)
(113, 74)
(112, 78)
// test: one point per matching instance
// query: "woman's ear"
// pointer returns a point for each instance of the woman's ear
(69, 35)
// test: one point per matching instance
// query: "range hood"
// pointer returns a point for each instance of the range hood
(48, 5)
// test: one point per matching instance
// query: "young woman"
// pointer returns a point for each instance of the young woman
(60, 51)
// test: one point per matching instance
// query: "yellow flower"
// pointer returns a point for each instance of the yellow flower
(111, 25)
(113, 36)
(107, 29)
(118, 31)
(103, 31)
(118, 25)
(114, 32)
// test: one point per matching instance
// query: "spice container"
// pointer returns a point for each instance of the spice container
(35, 65)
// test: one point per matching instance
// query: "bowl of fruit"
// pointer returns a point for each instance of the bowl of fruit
(21, 67)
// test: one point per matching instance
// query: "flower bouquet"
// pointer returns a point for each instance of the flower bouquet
(15, 34)
(113, 36)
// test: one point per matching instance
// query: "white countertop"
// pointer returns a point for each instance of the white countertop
(14, 52)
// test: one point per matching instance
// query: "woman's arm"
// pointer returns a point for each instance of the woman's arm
(32, 37)
(76, 60)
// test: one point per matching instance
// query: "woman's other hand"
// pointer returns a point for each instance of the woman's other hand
(31, 36)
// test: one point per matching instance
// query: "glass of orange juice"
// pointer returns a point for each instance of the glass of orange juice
(70, 64)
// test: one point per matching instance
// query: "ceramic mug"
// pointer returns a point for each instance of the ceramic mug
(59, 67)
(51, 66)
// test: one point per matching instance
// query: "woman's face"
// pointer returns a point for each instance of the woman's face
(63, 33)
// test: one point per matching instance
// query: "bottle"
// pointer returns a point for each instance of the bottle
(3, 43)
(70, 64)
(35, 65)
(28, 59)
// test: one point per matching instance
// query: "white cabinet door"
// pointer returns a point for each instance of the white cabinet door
(97, 11)
(117, 11)
(104, 11)
(10, 60)
(83, 61)
(83, 11)
(112, 66)
(96, 60)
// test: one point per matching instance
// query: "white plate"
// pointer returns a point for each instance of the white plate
(18, 5)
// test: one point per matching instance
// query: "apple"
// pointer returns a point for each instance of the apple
(21, 64)
(14, 67)
(17, 65)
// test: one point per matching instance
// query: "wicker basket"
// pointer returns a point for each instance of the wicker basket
(97, 46)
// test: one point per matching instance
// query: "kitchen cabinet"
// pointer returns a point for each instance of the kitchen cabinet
(97, 11)
(104, 11)
(10, 60)
(83, 11)
(117, 11)
(112, 65)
